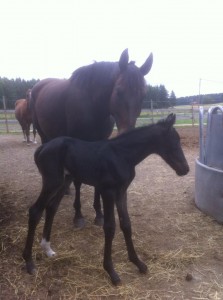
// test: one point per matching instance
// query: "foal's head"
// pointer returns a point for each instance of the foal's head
(170, 148)
(129, 91)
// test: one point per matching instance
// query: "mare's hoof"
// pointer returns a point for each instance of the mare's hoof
(99, 221)
(79, 223)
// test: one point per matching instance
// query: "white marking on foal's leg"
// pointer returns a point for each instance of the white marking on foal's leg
(46, 248)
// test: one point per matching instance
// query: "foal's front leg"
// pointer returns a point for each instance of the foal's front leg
(79, 221)
(99, 218)
(125, 225)
(109, 232)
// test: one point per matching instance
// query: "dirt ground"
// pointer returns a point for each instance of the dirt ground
(181, 246)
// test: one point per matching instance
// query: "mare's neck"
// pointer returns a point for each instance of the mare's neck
(139, 143)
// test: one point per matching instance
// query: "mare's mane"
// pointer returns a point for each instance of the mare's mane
(133, 79)
(98, 72)
(105, 73)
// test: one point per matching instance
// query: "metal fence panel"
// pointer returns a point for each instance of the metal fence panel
(186, 116)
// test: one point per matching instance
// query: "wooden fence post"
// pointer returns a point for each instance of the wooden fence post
(5, 112)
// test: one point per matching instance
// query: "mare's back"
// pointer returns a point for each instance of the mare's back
(65, 107)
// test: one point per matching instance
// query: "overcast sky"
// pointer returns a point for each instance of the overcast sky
(49, 38)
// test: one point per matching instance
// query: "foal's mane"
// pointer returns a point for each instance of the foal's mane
(142, 131)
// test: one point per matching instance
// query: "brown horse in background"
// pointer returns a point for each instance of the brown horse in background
(87, 105)
(24, 116)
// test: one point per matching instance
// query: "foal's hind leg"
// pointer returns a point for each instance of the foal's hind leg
(35, 213)
(51, 210)
(47, 194)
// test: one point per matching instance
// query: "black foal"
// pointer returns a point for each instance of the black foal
(110, 167)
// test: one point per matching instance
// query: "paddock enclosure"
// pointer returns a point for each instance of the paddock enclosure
(181, 246)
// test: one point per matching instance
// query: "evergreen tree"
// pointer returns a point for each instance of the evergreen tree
(172, 99)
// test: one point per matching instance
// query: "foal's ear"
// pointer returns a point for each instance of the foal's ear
(145, 68)
(170, 120)
(124, 59)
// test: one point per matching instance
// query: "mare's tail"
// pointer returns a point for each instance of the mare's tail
(37, 153)
(36, 125)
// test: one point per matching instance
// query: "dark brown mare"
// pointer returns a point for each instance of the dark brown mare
(108, 165)
(87, 105)
(24, 116)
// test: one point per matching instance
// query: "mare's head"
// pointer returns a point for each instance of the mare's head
(129, 91)
(170, 148)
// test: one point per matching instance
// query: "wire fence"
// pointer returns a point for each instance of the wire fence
(186, 116)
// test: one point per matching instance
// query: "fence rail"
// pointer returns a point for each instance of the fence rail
(186, 116)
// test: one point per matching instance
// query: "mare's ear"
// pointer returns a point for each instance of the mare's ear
(145, 68)
(170, 120)
(124, 59)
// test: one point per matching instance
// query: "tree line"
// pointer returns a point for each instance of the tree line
(14, 89)
(201, 99)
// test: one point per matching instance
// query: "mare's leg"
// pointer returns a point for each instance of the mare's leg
(109, 232)
(24, 134)
(99, 219)
(27, 131)
(125, 225)
(79, 221)
(34, 135)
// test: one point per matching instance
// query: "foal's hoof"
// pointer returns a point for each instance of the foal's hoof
(99, 221)
(143, 268)
(30, 268)
(116, 280)
(79, 223)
